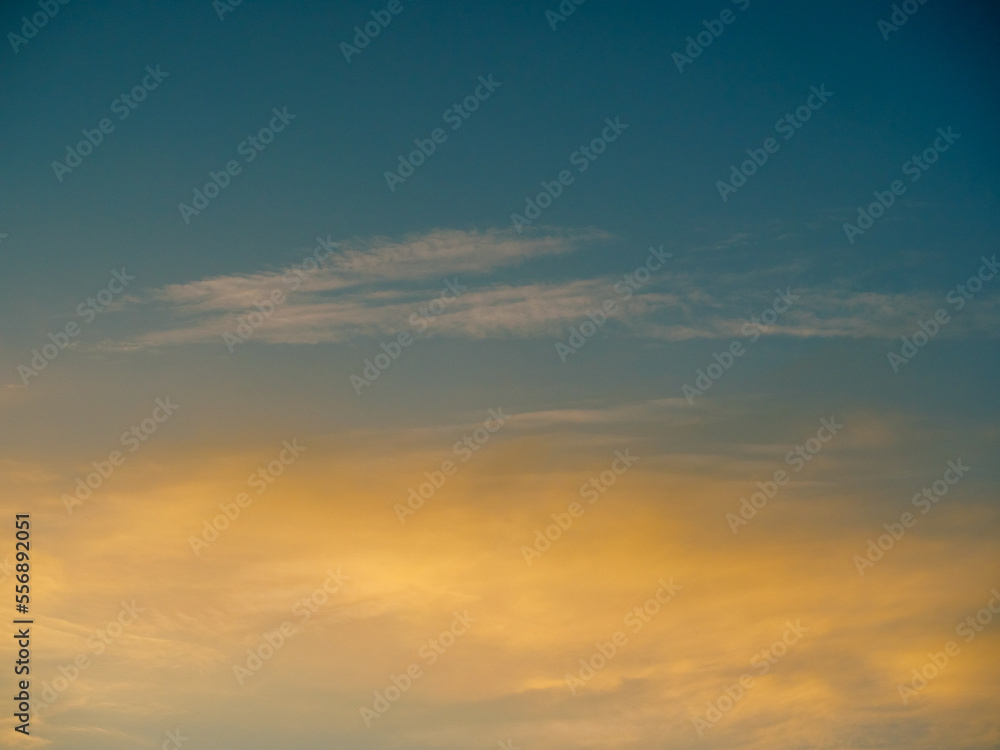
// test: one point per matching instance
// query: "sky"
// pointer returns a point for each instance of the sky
(502, 375)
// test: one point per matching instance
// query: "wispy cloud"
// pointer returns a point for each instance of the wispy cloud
(372, 287)
(379, 261)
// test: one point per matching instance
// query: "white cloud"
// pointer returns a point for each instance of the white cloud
(372, 288)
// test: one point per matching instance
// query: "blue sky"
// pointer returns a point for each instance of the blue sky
(318, 190)
(324, 175)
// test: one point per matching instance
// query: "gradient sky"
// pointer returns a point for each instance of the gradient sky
(321, 182)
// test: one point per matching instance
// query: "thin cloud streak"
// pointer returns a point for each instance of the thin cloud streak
(373, 288)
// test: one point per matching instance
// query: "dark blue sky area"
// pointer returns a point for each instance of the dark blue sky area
(325, 173)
